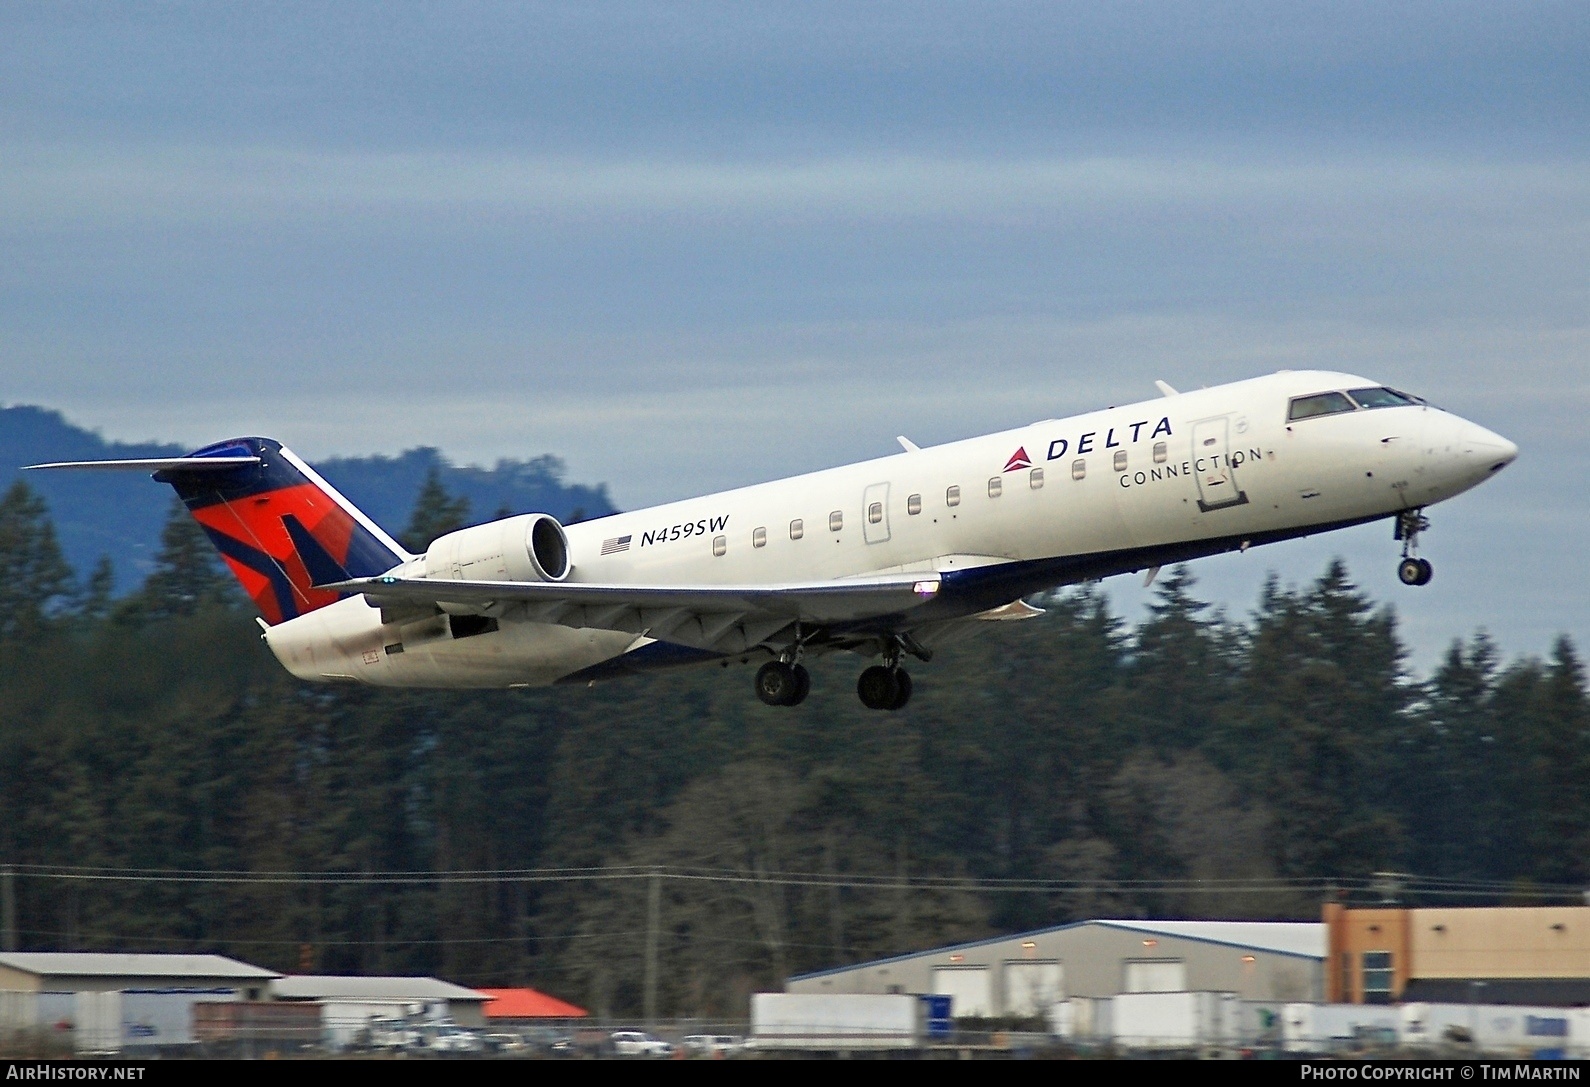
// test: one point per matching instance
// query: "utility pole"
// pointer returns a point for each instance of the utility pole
(653, 923)
(8, 908)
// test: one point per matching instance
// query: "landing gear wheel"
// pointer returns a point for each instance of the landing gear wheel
(902, 680)
(803, 685)
(778, 684)
(1415, 571)
(1412, 571)
(878, 688)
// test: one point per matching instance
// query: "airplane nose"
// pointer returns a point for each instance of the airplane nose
(1484, 447)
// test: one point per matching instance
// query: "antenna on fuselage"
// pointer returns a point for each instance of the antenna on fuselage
(1165, 389)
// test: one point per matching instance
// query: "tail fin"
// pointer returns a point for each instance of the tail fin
(282, 529)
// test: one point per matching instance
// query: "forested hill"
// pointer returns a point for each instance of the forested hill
(120, 515)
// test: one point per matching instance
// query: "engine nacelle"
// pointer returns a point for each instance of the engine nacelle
(530, 547)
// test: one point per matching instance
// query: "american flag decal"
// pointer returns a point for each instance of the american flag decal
(616, 544)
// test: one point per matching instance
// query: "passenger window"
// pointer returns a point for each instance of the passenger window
(759, 537)
(875, 513)
(1120, 460)
(1035, 478)
(836, 521)
(913, 505)
(995, 486)
(1079, 468)
(720, 544)
(1379, 398)
(797, 529)
(952, 497)
(1307, 407)
(1160, 452)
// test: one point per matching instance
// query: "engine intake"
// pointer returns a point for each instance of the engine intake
(530, 547)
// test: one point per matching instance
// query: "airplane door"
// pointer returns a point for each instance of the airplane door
(1217, 478)
(875, 513)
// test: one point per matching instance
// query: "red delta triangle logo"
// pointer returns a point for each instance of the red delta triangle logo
(1018, 459)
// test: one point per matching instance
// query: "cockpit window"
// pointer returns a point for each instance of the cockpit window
(1306, 407)
(1381, 397)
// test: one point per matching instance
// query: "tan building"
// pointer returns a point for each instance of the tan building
(1501, 955)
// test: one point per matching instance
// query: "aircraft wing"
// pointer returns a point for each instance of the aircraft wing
(724, 618)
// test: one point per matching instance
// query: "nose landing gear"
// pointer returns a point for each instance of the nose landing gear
(1412, 570)
(1415, 571)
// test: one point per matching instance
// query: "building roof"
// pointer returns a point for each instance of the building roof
(338, 987)
(1305, 939)
(122, 965)
(528, 1004)
(1284, 937)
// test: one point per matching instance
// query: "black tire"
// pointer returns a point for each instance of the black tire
(1426, 572)
(1409, 571)
(776, 683)
(803, 685)
(877, 688)
(902, 680)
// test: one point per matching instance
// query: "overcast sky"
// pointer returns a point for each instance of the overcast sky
(690, 246)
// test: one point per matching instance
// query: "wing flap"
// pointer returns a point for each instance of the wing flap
(729, 618)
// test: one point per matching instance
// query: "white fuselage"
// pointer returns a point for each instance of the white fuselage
(1095, 494)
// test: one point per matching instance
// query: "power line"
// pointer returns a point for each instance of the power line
(1405, 885)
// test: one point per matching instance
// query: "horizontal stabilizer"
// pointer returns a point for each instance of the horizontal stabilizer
(163, 464)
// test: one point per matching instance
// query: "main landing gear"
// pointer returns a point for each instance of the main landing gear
(1412, 570)
(783, 683)
(887, 686)
(884, 688)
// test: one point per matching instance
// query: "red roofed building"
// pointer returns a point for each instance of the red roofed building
(502, 1004)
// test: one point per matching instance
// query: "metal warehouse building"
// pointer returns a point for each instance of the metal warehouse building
(349, 1004)
(109, 1001)
(1025, 974)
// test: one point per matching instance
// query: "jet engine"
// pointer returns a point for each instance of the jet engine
(530, 547)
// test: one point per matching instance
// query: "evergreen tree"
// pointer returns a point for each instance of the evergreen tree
(35, 580)
(1564, 827)
(1181, 675)
(436, 513)
(1451, 800)
(96, 602)
(1322, 706)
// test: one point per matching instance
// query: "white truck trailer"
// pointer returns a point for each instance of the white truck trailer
(1175, 1021)
(836, 1022)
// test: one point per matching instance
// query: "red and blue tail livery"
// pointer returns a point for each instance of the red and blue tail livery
(282, 529)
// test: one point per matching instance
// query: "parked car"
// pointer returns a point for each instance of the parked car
(552, 1041)
(455, 1040)
(637, 1043)
(392, 1034)
(505, 1041)
(714, 1045)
